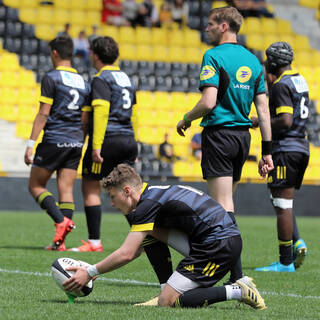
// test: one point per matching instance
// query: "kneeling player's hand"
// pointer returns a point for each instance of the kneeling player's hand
(28, 156)
(78, 280)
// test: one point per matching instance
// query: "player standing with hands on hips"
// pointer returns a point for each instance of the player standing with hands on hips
(63, 94)
(231, 79)
(288, 102)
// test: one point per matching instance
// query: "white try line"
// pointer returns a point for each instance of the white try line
(150, 284)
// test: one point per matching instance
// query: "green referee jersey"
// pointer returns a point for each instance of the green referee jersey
(238, 76)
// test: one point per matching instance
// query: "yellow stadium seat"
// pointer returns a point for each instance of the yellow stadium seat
(253, 25)
(269, 39)
(145, 99)
(28, 96)
(127, 35)
(315, 58)
(269, 26)
(159, 36)
(301, 43)
(63, 4)
(92, 18)
(94, 5)
(9, 78)
(243, 28)
(314, 4)
(12, 3)
(23, 129)
(144, 53)
(8, 112)
(193, 98)
(179, 101)
(193, 55)
(250, 170)
(256, 41)
(75, 30)
(127, 51)
(303, 58)
(29, 3)
(77, 17)
(26, 113)
(176, 54)
(27, 79)
(146, 134)
(44, 15)
(160, 53)
(162, 100)
(28, 15)
(283, 26)
(78, 4)
(111, 31)
(219, 4)
(143, 35)
(45, 31)
(9, 62)
(61, 16)
(191, 38)
(8, 96)
(176, 38)
(182, 169)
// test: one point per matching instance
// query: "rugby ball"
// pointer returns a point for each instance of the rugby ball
(60, 274)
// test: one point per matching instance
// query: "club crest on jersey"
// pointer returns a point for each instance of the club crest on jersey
(207, 72)
(243, 74)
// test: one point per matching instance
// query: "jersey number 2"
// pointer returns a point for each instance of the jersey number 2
(73, 104)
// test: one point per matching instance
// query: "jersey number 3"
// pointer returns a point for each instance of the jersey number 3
(126, 99)
(73, 105)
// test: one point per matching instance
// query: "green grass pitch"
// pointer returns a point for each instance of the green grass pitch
(29, 292)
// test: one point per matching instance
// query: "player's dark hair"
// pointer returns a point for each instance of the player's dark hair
(120, 175)
(64, 46)
(279, 54)
(106, 49)
(228, 14)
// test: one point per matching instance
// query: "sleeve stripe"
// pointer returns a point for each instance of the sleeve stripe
(100, 102)
(86, 108)
(142, 227)
(284, 109)
(46, 100)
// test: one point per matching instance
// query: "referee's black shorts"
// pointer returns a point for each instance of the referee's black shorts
(289, 169)
(115, 150)
(224, 151)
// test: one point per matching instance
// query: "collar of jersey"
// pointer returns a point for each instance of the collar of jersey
(144, 186)
(107, 68)
(285, 73)
(67, 69)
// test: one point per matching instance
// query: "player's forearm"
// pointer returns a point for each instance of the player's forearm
(115, 260)
(100, 121)
(38, 125)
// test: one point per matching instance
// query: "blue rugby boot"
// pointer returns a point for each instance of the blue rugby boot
(277, 267)
(300, 251)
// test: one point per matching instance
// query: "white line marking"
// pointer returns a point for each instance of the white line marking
(150, 284)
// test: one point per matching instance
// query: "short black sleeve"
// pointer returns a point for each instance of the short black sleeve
(100, 90)
(47, 87)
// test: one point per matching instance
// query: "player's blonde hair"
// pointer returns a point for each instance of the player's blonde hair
(228, 14)
(121, 175)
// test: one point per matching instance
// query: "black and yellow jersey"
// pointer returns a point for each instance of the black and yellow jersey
(183, 208)
(67, 92)
(290, 94)
(112, 98)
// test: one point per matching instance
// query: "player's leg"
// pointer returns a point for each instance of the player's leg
(65, 182)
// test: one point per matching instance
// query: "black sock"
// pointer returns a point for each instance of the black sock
(295, 235)
(236, 270)
(48, 203)
(93, 215)
(67, 209)
(201, 297)
(285, 251)
(160, 258)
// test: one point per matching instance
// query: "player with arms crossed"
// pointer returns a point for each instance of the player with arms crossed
(288, 102)
(63, 94)
(231, 79)
(212, 234)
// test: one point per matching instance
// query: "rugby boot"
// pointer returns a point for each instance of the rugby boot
(87, 246)
(62, 229)
(299, 253)
(250, 294)
(277, 267)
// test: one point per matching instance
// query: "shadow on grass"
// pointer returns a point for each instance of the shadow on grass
(22, 247)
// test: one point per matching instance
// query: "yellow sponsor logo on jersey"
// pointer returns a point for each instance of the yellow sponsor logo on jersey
(243, 74)
(207, 72)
